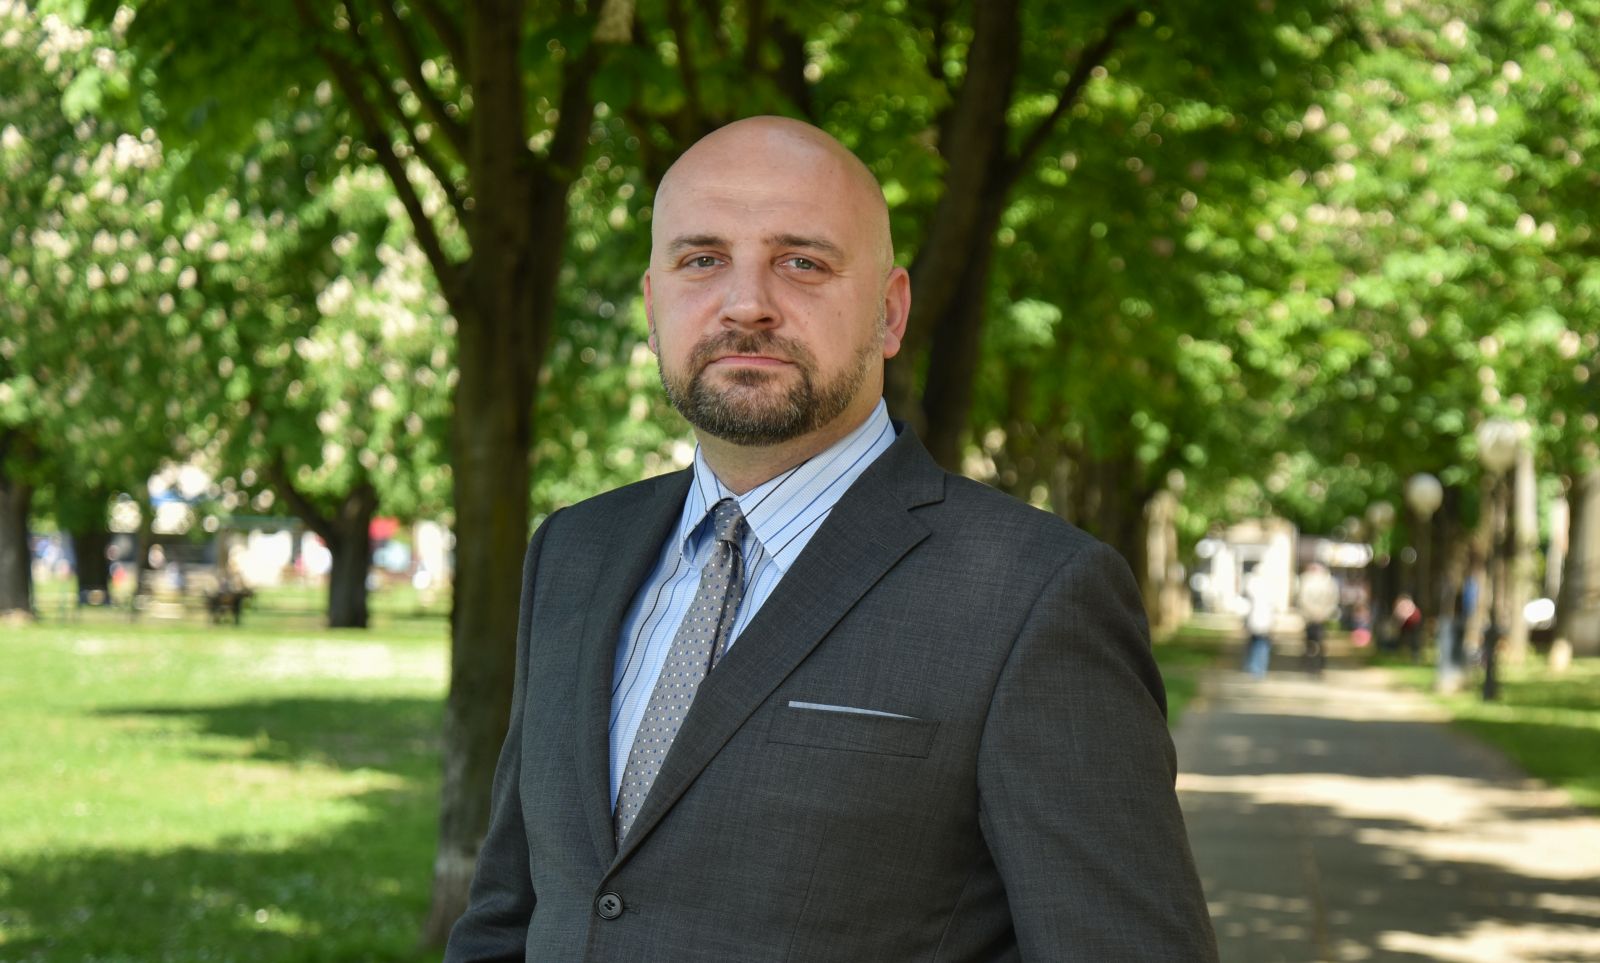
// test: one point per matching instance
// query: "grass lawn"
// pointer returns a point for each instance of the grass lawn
(1548, 723)
(176, 791)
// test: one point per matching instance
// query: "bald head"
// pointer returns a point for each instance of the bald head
(772, 298)
(778, 151)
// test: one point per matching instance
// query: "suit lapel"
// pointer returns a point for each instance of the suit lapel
(863, 537)
(632, 536)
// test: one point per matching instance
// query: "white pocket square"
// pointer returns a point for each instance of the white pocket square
(852, 710)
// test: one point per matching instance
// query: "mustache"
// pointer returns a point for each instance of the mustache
(749, 342)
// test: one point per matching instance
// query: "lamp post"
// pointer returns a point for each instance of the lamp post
(1500, 443)
(1424, 495)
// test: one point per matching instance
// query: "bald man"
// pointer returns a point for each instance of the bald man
(813, 698)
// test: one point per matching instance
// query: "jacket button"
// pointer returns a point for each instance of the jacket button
(608, 906)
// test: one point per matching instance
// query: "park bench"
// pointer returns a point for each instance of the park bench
(196, 589)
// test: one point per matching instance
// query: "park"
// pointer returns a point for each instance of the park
(311, 314)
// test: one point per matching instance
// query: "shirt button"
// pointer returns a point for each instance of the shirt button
(608, 906)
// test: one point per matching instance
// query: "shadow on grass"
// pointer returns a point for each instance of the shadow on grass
(1559, 692)
(357, 893)
(394, 734)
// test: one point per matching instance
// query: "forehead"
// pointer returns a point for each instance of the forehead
(762, 195)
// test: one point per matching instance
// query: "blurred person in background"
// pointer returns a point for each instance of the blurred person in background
(1318, 601)
(1259, 616)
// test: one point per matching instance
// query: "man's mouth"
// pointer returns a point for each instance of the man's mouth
(750, 361)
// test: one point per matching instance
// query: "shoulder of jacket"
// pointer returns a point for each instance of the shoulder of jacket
(980, 505)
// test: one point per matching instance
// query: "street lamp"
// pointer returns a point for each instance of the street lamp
(1424, 495)
(1500, 444)
(1498, 441)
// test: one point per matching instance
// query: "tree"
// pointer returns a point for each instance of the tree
(1442, 259)
(333, 364)
(86, 298)
(501, 140)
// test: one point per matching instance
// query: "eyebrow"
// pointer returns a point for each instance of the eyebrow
(818, 244)
(687, 242)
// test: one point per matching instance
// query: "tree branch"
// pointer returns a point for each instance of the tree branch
(1092, 57)
(411, 61)
(678, 20)
(349, 81)
(576, 111)
(755, 34)
(939, 10)
(791, 75)
(436, 164)
(712, 10)
(448, 32)
(299, 503)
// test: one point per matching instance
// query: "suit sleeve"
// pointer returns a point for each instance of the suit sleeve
(495, 924)
(1076, 781)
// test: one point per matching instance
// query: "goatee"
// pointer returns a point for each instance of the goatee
(751, 408)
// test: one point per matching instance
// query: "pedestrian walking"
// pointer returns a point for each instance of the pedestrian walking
(1258, 620)
(1318, 601)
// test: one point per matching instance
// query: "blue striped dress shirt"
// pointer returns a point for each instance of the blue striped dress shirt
(782, 513)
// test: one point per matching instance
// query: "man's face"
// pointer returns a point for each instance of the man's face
(768, 291)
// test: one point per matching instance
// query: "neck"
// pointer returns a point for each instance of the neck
(743, 467)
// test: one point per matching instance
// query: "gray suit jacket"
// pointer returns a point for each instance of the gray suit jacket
(1008, 794)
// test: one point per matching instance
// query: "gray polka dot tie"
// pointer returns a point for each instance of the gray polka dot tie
(700, 641)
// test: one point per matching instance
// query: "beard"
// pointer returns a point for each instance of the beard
(752, 408)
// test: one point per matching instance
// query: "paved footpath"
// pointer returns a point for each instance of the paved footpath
(1340, 819)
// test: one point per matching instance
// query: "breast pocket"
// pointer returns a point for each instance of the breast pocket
(852, 730)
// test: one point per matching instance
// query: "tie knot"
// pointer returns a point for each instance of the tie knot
(727, 522)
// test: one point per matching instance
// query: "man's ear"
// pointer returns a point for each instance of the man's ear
(649, 316)
(896, 310)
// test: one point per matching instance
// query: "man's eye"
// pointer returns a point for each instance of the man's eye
(804, 264)
(702, 261)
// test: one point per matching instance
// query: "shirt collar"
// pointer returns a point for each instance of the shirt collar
(782, 511)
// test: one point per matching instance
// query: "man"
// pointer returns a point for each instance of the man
(1318, 602)
(931, 728)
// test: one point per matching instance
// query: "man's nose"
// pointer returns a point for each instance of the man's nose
(749, 298)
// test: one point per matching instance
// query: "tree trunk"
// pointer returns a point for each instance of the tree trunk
(16, 555)
(351, 548)
(93, 568)
(1449, 544)
(1163, 601)
(505, 322)
(958, 336)
(1107, 499)
(141, 552)
(973, 142)
(1524, 542)
(949, 279)
(1578, 608)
